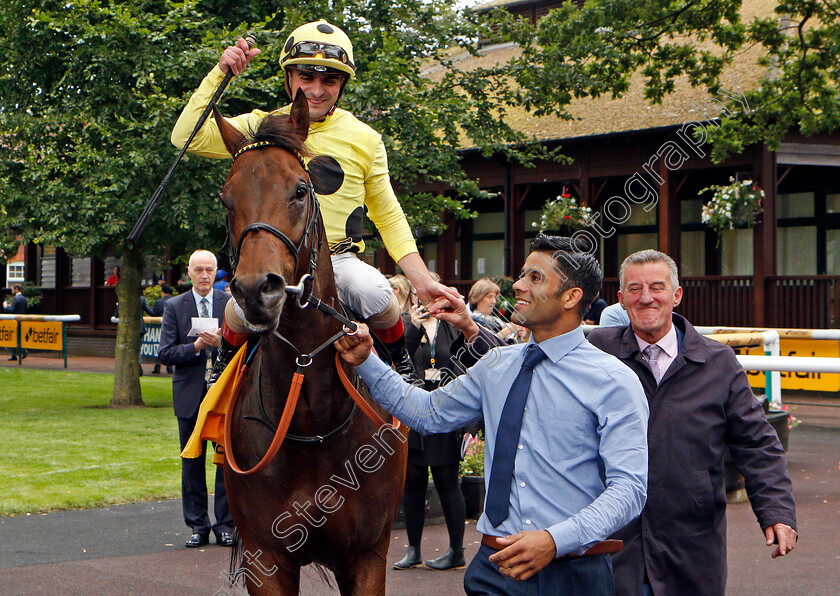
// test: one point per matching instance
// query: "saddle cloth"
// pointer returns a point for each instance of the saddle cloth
(210, 424)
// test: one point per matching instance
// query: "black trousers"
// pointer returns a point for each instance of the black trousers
(194, 488)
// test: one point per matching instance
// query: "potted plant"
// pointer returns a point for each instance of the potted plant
(507, 295)
(564, 214)
(472, 477)
(154, 293)
(733, 205)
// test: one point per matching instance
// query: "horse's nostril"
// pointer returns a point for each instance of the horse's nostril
(273, 284)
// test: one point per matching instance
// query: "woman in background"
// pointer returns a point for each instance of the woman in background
(428, 341)
(482, 302)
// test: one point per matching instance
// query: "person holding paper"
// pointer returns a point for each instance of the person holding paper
(189, 336)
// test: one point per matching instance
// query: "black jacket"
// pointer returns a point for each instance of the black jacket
(176, 348)
(702, 405)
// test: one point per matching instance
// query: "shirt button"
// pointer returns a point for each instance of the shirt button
(521, 484)
(528, 521)
(520, 446)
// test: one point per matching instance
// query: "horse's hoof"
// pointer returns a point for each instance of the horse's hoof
(451, 559)
(411, 559)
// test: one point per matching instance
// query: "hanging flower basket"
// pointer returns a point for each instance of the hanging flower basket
(563, 213)
(735, 205)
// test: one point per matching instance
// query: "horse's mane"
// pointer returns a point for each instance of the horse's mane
(277, 129)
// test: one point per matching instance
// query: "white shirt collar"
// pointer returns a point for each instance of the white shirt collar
(198, 297)
(668, 343)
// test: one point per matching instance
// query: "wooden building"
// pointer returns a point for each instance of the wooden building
(783, 272)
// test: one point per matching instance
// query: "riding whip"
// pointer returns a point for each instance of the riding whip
(153, 202)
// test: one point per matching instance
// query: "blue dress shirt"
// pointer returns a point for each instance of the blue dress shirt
(581, 466)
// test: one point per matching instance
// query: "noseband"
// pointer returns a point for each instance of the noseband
(313, 217)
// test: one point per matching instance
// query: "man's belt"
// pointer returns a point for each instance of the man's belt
(604, 547)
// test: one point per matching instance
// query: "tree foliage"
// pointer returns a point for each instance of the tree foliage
(90, 90)
(593, 50)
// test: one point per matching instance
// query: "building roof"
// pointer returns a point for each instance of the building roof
(596, 116)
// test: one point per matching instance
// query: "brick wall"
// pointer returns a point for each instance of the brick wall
(91, 346)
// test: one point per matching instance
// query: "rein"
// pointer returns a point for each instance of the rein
(304, 298)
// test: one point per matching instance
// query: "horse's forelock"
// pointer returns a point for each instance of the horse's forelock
(279, 131)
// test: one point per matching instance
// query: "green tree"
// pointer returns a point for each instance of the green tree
(89, 92)
(593, 50)
(87, 95)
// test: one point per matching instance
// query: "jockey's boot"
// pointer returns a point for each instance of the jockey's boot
(402, 362)
(394, 339)
(231, 342)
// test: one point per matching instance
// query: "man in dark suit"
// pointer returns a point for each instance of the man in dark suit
(17, 307)
(700, 403)
(190, 355)
(157, 311)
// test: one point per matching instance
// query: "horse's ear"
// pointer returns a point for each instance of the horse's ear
(234, 140)
(300, 115)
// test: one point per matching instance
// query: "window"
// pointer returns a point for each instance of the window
(736, 252)
(630, 243)
(15, 272)
(797, 233)
(693, 253)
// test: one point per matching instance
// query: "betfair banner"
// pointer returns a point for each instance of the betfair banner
(42, 335)
(8, 334)
(798, 380)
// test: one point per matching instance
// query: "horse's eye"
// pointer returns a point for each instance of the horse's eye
(302, 192)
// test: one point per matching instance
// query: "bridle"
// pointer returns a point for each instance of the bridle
(312, 229)
(303, 294)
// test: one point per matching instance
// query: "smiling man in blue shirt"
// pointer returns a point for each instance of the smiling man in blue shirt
(579, 455)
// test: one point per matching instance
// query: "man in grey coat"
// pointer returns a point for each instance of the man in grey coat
(700, 403)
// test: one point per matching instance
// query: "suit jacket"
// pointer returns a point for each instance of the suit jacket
(18, 305)
(157, 309)
(702, 405)
(176, 349)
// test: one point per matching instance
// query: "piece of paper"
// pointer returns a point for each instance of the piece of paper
(202, 324)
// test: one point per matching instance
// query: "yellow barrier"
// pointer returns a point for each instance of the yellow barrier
(35, 332)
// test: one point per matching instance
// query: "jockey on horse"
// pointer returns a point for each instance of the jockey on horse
(349, 170)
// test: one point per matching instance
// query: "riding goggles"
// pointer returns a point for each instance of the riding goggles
(311, 49)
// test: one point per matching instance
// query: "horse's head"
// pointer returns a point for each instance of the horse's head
(272, 212)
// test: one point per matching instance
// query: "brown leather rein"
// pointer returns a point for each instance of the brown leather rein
(304, 299)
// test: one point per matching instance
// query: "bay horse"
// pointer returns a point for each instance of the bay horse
(327, 493)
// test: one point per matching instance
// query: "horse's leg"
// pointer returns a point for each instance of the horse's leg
(365, 576)
(267, 574)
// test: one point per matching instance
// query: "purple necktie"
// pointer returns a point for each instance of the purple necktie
(651, 354)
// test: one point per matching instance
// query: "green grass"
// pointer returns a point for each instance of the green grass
(62, 447)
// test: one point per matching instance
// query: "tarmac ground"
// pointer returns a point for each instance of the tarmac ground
(139, 548)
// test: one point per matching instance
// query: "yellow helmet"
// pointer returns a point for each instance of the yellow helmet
(320, 48)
